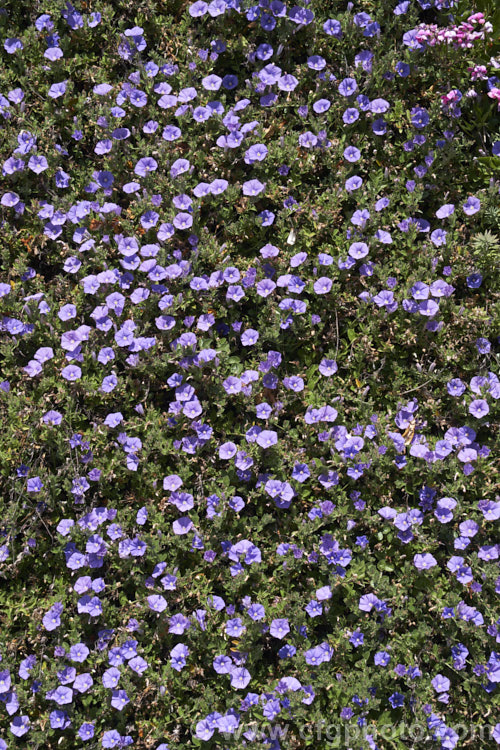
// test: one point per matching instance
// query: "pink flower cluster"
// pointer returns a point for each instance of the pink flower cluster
(478, 72)
(495, 94)
(462, 36)
(450, 99)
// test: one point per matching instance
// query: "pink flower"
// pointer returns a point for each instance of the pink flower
(495, 94)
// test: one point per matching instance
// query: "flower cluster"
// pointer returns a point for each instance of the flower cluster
(461, 36)
(249, 374)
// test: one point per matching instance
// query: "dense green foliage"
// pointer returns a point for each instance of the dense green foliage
(249, 353)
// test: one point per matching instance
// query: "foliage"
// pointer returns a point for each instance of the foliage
(249, 344)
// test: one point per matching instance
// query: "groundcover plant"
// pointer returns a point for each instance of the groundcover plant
(249, 396)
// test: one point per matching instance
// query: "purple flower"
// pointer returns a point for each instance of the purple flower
(157, 603)
(131, 187)
(86, 731)
(256, 612)
(367, 602)
(235, 627)
(455, 387)
(101, 89)
(182, 526)
(353, 183)
(315, 62)
(379, 106)
(12, 44)
(444, 508)
(145, 165)
(239, 677)
(61, 695)
(287, 82)
(384, 298)
(318, 654)
(265, 287)
(59, 719)
(429, 308)
(396, 700)
(249, 337)
(10, 199)
(83, 682)
(20, 726)
(34, 484)
(198, 9)
(179, 167)
(253, 187)
(328, 367)
(57, 90)
(445, 211)
(381, 658)
(178, 656)
(279, 628)
(357, 638)
(257, 152)
(474, 281)
(323, 285)
(5, 681)
(227, 450)
(332, 28)
(419, 117)
(267, 438)
(111, 677)
(479, 408)
(38, 163)
(314, 608)
(438, 237)
(301, 472)
(352, 154)
(350, 115)
(471, 206)
(78, 652)
(440, 684)
(295, 383)
(483, 346)
(119, 699)
(379, 126)
(222, 664)
(183, 221)
(105, 179)
(347, 87)
(52, 619)
(358, 250)
(172, 482)
(71, 373)
(111, 738)
(424, 561)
